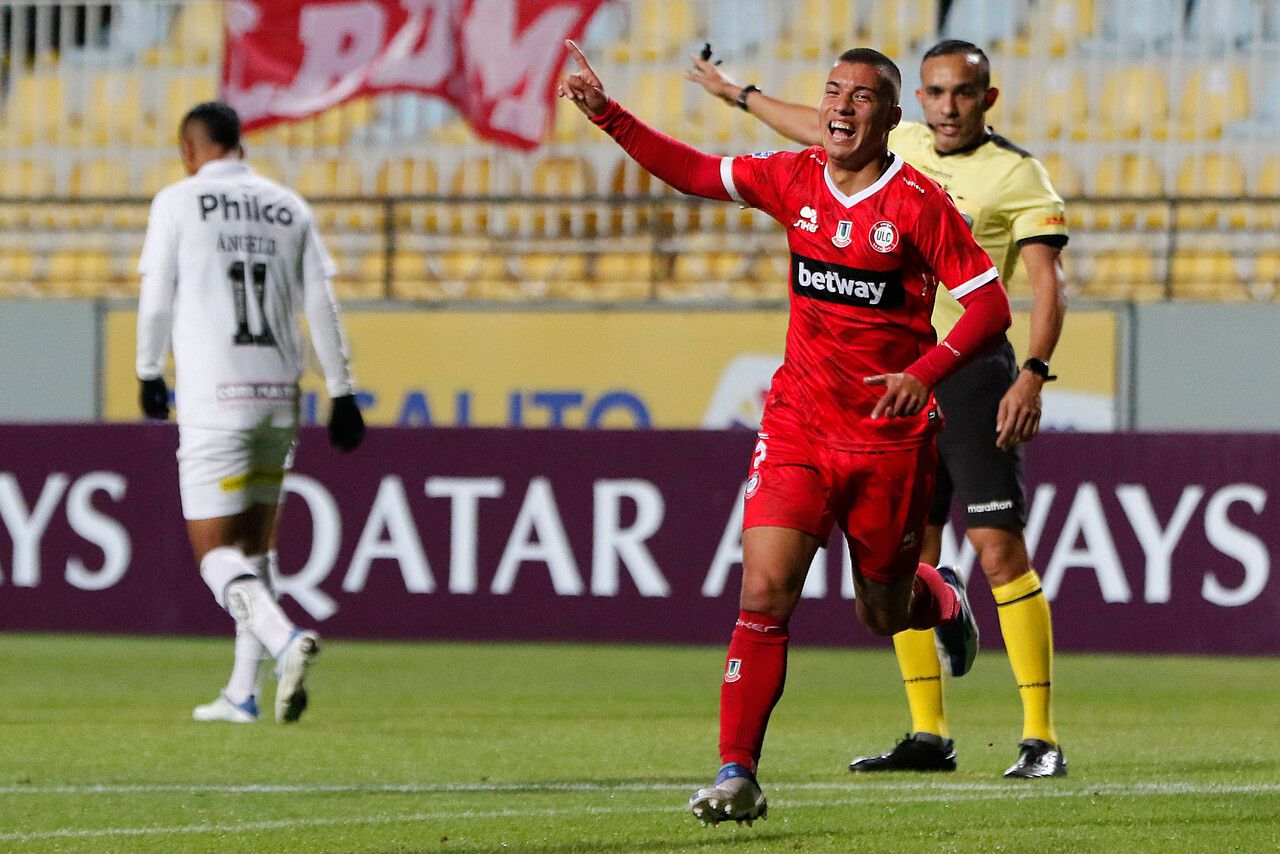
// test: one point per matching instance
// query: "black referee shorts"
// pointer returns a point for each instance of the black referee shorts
(987, 480)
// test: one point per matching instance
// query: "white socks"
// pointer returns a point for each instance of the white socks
(244, 682)
(239, 588)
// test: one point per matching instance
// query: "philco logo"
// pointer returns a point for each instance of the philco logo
(846, 285)
(884, 236)
(843, 231)
(808, 220)
(733, 670)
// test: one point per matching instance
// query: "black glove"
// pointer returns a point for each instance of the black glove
(153, 397)
(346, 424)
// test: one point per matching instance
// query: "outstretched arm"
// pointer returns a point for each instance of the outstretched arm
(794, 121)
(680, 165)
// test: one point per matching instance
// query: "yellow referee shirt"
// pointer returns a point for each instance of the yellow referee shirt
(1003, 192)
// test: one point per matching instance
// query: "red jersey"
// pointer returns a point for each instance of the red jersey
(864, 270)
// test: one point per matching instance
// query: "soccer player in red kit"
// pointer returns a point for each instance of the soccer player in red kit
(847, 433)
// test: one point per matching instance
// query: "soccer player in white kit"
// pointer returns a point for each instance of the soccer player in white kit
(229, 261)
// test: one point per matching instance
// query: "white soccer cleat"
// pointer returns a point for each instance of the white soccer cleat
(734, 796)
(291, 668)
(224, 710)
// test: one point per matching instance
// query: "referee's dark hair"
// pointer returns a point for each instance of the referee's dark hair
(220, 123)
(954, 47)
(876, 59)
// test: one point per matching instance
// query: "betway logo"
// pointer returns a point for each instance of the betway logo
(846, 285)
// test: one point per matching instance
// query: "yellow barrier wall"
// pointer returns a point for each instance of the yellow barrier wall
(610, 369)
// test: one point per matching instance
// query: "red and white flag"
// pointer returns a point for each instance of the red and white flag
(496, 61)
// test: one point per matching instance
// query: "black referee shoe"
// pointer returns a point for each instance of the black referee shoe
(1036, 759)
(920, 752)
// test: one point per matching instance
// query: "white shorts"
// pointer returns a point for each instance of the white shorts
(225, 472)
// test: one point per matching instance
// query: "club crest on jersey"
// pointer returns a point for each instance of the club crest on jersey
(884, 236)
(808, 220)
(842, 236)
(733, 670)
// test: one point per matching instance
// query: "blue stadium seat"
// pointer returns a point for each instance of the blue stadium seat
(1220, 25)
(986, 23)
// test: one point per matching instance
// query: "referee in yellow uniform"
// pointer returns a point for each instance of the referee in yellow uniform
(992, 406)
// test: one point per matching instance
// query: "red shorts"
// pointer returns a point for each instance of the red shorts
(880, 499)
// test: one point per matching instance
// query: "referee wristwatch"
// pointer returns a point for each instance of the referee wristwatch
(742, 96)
(1040, 368)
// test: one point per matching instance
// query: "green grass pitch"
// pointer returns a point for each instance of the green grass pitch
(563, 748)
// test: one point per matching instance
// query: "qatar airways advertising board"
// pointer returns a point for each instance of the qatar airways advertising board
(1145, 543)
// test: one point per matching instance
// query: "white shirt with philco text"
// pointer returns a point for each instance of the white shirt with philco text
(230, 261)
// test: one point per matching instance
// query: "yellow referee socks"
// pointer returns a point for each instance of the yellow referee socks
(1028, 638)
(922, 677)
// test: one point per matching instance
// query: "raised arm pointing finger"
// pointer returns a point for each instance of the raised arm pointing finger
(583, 87)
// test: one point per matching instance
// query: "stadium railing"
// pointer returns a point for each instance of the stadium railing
(1161, 129)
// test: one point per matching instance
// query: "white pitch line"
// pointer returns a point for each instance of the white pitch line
(910, 794)
(906, 793)
(533, 787)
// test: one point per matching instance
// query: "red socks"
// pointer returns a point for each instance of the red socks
(755, 671)
(932, 601)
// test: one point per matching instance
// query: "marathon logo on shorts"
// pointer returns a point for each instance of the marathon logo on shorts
(264, 392)
(846, 285)
(991, 506)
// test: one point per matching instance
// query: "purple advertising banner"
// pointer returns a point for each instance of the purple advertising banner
(1144, 542)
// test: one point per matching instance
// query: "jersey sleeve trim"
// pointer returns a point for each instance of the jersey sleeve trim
(726, 176)
(1057, 241)
(974, 283)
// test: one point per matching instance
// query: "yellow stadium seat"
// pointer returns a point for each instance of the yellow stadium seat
(697, 266)
(330, 176)
(571, 126)
(819, 29)
(1134, 104)
(409, 176)
(26, 178)
(1058, 25)
(357, 287)
(1123, 274)
(1219, 176)
(1207, 274)
(625, 267)
(79, 273)
(474, 177)
(100, 178)
(17, 266)
(1213, 98)
(552, 266)
(658, 29)
(182, 92)
(896, 29)
(196, 37)
(1132, 175)
(1053, 107)
(561, 177)
(35, 112)
(1269, 178)
(408, 267)
(470, 266)
(1266, 275)
(1064, 174)
(710, 121)
(161, 174)
(114, 110)
(658, 98)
